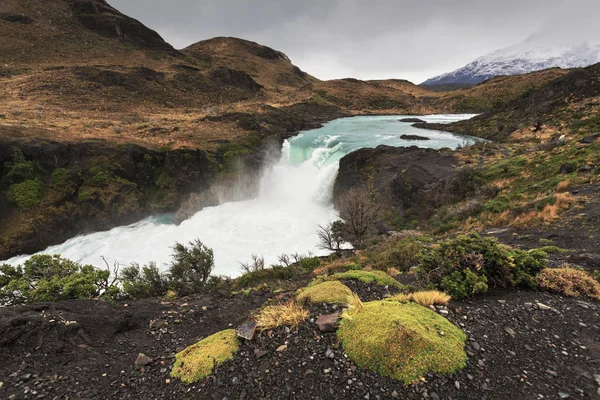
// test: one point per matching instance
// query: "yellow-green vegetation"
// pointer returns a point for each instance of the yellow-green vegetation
(400, 252)
(377, 277)
(402, 340)
(568, 281)
(199, 360)
(332, 292)
(289, 314)
(425, 298)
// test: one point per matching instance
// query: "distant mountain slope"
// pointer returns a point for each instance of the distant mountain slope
(494, 92)
(567, 105)
(538, 52)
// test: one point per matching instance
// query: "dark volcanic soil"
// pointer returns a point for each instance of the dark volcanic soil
(87, 350)
(578, 232)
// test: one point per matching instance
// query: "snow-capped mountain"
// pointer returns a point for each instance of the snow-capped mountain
(538, 52)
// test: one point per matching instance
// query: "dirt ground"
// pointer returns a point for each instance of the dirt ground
(87, 350)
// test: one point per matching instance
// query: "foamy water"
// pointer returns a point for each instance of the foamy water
(294, 199)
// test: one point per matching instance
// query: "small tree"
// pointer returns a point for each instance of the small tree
(257, 264)
(359, 214)
(191, 266)
(331, 237)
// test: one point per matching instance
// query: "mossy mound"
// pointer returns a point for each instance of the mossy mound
(377, 277)
(402, 340)
(332, 292)
(198, 361)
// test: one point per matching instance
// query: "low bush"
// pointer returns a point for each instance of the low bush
(377, 277)
(333, 292)
(199, 360)
(403, 341)
(290, 314)
(399, 253)
(569, 282)
(310, 263)
(53, 278)
(273, 274)
(468, 264)
(191, 267)
(26, 194)
(143, 282)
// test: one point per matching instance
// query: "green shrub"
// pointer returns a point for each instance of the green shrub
(191, 267)
(464, 284)
(19, 169)
(143, 282)
(53, 278)
(401, 254)
(309, 263)
(467, 264)
(368, 277)
(26, 194)
(275, 273)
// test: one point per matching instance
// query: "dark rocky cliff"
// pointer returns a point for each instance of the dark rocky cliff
(403, 180)
(51, 191)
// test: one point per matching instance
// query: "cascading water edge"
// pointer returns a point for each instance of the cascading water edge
(294, 198)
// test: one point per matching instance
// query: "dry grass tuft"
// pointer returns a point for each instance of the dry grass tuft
(289, 314)
(425, 298)
(563, 186)
(569, 282)
(431, 298)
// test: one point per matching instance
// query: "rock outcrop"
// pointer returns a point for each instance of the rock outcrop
(98, 16)
(413, 137)
(88, 186)
(401, 179)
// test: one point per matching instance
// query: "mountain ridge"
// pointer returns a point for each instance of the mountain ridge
(533, 54)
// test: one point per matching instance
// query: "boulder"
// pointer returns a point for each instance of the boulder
(590, 139)
(328, 322)
(414, 137)
(413, 120)
(247, 330)
(18, 18)
(567, 168)
(143, 360)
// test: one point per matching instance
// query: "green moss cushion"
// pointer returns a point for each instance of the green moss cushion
(402, 340)
(198, 361)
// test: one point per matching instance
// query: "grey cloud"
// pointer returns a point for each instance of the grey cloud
(411, 39)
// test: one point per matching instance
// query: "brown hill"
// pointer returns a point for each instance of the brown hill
(494, 92)
(392, 96)
(270, 68)
(57, 32)
(569, 104)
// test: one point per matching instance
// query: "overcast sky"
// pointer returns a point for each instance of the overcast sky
(368, 39)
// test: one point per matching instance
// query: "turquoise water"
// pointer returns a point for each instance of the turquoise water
(294, 199)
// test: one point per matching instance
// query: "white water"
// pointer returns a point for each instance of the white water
(294, 199)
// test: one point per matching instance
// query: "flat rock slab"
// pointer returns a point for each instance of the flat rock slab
(414, 137)
(413, 120)
(247, 330)
(328, 322)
